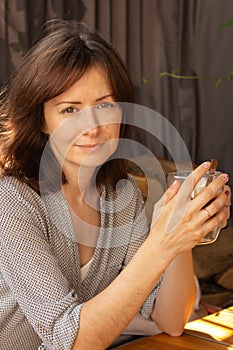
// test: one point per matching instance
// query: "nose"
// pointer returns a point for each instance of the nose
(93, 132)
(93, 121)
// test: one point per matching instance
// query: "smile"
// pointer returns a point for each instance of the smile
(90, 147)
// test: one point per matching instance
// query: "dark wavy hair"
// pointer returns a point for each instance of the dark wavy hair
(63, 52)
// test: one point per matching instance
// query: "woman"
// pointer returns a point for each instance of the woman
(77, 261)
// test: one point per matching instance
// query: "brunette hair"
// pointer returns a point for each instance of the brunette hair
(64, 51)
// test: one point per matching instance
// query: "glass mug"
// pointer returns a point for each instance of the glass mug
(181, 176)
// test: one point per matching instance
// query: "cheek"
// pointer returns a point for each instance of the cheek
(113, 130)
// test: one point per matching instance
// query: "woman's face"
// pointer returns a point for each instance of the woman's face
(84, 121)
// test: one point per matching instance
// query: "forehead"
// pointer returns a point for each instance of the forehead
(93, 83)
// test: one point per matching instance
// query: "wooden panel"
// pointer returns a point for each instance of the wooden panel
(165, 342)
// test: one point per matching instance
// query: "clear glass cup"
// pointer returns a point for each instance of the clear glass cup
(181, 176)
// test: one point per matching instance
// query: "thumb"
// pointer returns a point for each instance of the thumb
(169, 194)
(165, 199)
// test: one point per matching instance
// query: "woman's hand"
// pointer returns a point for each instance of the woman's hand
(186, 221)
(180, 222)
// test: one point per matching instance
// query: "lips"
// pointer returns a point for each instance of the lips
(89, 147)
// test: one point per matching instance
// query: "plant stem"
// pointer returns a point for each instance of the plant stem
(173, 75)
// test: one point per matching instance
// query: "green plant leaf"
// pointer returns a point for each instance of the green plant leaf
(217, 82)
(145, 80)
(227, 24)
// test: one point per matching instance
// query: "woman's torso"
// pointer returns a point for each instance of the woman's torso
(51, 213)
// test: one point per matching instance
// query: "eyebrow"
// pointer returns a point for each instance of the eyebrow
(78, 102)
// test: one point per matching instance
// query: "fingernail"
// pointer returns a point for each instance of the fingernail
(227, 193)
(206, 165)
(225, 177)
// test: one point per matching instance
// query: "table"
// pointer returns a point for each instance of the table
(213, 332)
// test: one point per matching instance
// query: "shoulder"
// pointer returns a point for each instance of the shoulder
(11, 187)
(18, 198)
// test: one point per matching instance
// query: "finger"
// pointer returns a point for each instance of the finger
(212, 191)
(214, 207)
(169, 194)
(227, 191)
(227, 188)
(226, 209)
(160, 206)
(226, 212)
(197, 174)
(172, 191)
(213, 222)
(182, 197)
(192, 180)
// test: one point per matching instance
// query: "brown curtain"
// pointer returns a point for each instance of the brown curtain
(152, 36)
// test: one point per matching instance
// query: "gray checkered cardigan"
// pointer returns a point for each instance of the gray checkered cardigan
(41, 293)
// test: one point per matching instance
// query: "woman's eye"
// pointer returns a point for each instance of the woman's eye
(70, 110)
(105, 105)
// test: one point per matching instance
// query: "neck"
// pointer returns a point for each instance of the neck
(80, 186)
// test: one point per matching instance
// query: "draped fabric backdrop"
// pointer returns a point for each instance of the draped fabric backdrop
(152, 36)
